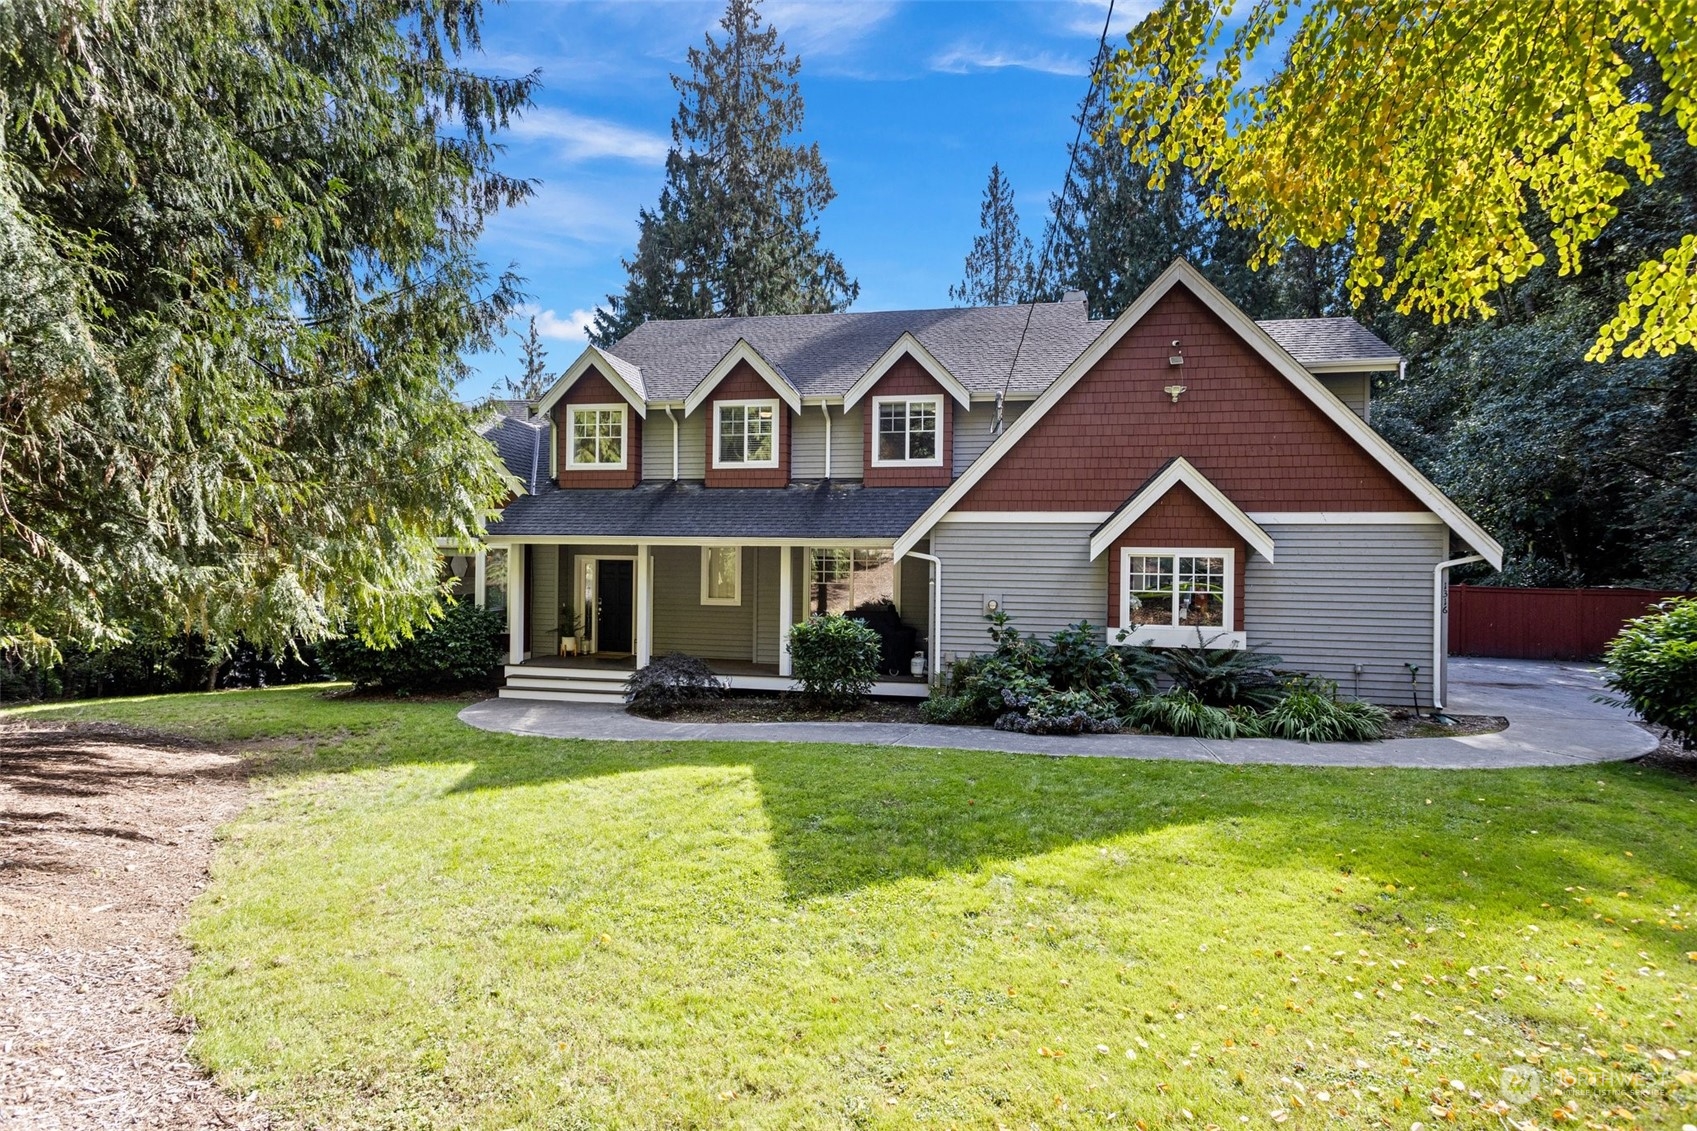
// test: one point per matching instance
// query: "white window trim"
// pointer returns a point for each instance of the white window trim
(706, 557)
(777, 433)
(1178, 636)
(571, 437)
(936, 404)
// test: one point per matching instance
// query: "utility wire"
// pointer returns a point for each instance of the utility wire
(1042, 273)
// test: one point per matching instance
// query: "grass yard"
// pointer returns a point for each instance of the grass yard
(422, 925)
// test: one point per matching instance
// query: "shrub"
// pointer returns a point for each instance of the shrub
(1224, 677)
(835, 659)
(670, 683)
(463, 648)
(1310, 712)
(947, 710)
(1062, 712)
(1652, 665)
(1181, 713)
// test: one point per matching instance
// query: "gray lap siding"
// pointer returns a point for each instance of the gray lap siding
(1338, 595)
(1345, 595)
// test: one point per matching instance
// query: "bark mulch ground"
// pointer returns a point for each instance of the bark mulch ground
(105, 838)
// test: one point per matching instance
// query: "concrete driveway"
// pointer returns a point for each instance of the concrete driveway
(1553, 721)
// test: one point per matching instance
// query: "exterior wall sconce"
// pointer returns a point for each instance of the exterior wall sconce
(1173, 391)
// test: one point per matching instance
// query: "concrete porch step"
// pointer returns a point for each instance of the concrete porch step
(614, 699)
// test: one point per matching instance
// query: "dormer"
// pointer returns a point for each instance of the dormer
(597, 408)
(908, 433)
(748, 402)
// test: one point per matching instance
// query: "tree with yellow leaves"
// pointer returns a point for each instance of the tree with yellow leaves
(1450, 146)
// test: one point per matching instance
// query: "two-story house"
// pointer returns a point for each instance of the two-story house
(703, 485)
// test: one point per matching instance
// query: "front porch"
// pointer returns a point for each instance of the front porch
(582, 615)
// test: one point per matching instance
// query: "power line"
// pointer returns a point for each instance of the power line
(1042, 273)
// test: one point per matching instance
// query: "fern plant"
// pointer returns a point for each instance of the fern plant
(1225, 677)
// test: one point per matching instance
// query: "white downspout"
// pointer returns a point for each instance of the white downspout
(1440, 622)
(936, 629)
(674, 421)
(826, 409)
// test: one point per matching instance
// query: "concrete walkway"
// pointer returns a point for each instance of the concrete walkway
(1552, 722)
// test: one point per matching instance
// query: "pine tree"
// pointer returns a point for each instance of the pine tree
(999, 269)
(735, 231)
(534, 381)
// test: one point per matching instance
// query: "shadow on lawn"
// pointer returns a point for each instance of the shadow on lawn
(846, 817)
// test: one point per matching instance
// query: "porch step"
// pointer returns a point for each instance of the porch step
(612, 699)
(543, 671)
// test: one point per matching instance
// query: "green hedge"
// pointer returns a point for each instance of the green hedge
(835, 659)
(463, 649)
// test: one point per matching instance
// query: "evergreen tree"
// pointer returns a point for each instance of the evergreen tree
(534, 381)
(999, 269)
(735, 230)
(237, 283)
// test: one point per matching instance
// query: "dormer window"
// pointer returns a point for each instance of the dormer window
(598, 437)
(745, 434)
(907, 433)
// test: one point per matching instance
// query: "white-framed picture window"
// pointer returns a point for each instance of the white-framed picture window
(745, 434)
(840, 580)
(1175, 597)
(908, 431)
(597, 436)
(721, 575)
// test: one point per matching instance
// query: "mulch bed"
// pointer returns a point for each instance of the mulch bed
(1406, 724)
(105, 838)
(758, 708)
(1670, 755)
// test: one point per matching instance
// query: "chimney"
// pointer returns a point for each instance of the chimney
(1073, 296)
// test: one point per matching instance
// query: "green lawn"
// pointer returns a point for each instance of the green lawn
(419, 924)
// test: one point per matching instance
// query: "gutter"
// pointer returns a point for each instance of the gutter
(1440, 622)
(935, 629)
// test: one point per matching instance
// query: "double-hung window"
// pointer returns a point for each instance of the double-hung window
(1168, 597)
(597, 437)
(908, 431)
(745, 434)
(721, 575)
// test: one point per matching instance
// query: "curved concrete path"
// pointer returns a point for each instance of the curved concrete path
(1553, 721)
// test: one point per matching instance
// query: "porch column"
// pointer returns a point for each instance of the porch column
(644, 606)
(515, 604)
(481, 578)
(786, 605)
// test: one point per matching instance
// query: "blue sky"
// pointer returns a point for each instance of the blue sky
(910, 104)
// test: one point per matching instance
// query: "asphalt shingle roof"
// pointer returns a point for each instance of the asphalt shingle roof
(521, 445)
(824, 354)
(690, 510)
(1328, 341)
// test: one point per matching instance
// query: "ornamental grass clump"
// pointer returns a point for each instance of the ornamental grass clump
(1181, 713)
(1311, 712)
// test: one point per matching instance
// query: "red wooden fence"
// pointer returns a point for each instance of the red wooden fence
(1542, 624)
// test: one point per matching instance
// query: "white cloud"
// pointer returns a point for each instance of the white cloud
(1087, 17)
(582, 139)
(818, 28)
(964, 58)
(574, 327)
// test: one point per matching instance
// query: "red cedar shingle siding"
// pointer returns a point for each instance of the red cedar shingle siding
(744, 384)
(1239, 421)
(1179, 521)
(593, 388)
(907, 378)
